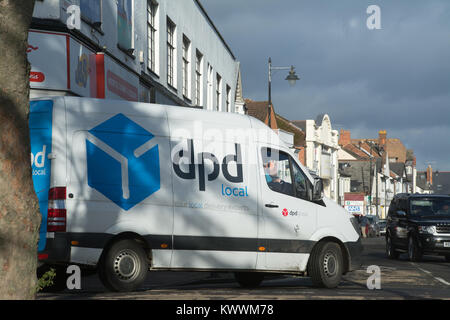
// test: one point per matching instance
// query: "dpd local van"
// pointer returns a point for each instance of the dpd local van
(126, 187)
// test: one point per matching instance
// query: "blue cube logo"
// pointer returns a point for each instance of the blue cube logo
(122, 161)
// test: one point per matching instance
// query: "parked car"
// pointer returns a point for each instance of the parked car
(382, 225)
(418, 224)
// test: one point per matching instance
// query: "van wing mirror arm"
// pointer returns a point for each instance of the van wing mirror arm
(317, 189)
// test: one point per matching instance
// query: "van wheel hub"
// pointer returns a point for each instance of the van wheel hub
(126, 266)
(329, 264)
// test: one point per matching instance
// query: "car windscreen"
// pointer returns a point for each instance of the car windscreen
(430, 207)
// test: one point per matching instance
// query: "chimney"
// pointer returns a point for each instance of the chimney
(429, 175)
(344, 137)
(382, 138)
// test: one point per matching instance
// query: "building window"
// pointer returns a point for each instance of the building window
(186, 67)
(228, 97)
(198, 78)
(146, 94)
(171, 53)
(91, 11)
(209, 93)
(218, 92)
(152, 29)
(125, 25)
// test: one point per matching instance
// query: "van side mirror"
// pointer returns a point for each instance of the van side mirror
(318, 189)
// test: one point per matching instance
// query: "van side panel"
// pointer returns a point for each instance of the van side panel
(40, 123)
(119, 177)
(215, 191)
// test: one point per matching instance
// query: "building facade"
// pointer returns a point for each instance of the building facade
(321, 148)
(159, 51)
(379, 168)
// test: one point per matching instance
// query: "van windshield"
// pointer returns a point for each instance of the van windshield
(430, 207)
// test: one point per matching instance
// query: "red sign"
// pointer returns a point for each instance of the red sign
(285, 212)
(121, 87)
(37, 76)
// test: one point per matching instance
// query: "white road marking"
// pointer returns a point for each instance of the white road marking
(429, 273)
(442, 280)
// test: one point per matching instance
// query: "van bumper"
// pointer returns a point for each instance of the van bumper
(57, 249)
(354, 250)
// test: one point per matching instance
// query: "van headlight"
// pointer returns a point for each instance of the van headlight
(427, 229)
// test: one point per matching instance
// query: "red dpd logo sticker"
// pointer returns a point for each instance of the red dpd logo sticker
(285, 212)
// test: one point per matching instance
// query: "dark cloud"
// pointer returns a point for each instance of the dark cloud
(396, 78)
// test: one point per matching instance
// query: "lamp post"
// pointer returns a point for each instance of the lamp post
(292, 78)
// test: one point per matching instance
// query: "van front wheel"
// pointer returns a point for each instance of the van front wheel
(124, 266)
(325, 265)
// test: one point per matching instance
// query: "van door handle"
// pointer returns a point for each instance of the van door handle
(270, 205)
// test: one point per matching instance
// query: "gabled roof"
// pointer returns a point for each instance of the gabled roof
(286, 125)
(300, 124)
(257, 109)
(355, 151)
(398, 168)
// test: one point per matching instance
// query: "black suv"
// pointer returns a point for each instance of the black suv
(418, 224)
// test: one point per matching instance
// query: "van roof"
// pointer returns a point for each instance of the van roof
(240, 124)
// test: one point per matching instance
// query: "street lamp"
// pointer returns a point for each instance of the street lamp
(291, 78)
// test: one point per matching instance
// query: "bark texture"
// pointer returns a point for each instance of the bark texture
(19, 208)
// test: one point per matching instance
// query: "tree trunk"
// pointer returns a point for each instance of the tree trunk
(19, 207)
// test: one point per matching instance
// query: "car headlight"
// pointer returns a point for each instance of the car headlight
(427, 229)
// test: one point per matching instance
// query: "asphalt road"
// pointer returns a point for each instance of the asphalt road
(400, 279)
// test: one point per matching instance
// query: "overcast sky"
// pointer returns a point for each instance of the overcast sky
(395, 79)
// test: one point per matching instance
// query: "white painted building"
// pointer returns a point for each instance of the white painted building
(161, 51)
(321, 148)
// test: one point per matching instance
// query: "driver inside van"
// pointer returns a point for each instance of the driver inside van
(274, 181)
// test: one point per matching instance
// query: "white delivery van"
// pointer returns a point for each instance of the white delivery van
(126, 187)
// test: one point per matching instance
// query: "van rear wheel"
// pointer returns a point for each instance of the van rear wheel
(326, 265)
(124, 266)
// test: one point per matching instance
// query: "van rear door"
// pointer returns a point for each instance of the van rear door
(40, 123)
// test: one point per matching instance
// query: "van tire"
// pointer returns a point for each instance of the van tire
(325, 265)
(249, 279)
(124, 266)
